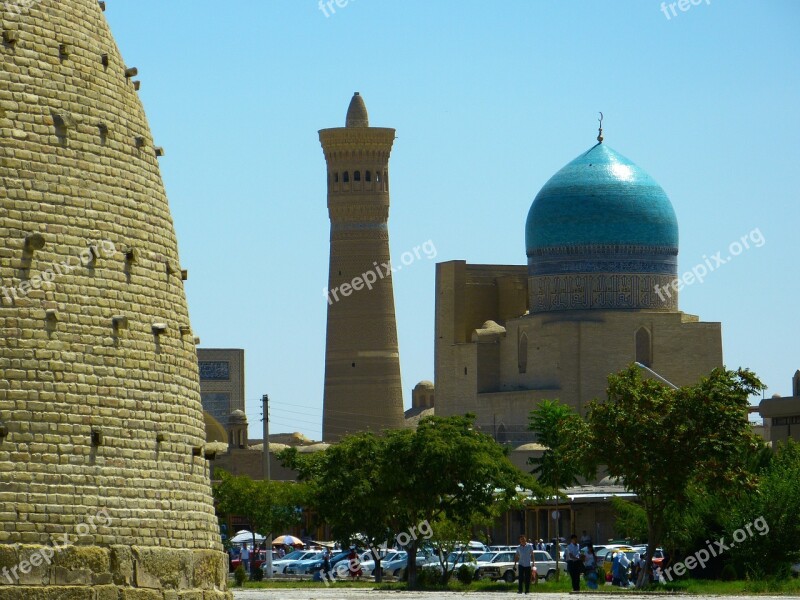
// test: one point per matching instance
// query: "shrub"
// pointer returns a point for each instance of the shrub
(257, 574)
(465, 574)
(240, 575)
(729, 573)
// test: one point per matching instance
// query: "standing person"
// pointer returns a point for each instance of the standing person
(326, 565)
(245, 556)
(524, 556)
(590, 567)
(585, 539)
(573, 558)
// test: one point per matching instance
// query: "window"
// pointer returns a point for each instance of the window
(356, 175)
(346, 177)
(644, 353)
(367, 176)
(336, 177)
(522, 353)
(501, 437)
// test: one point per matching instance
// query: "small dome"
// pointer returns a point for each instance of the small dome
(237, 416)
(357, 112)
(424, 384)
(601, 198)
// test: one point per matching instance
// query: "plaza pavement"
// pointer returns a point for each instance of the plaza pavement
(362, 594)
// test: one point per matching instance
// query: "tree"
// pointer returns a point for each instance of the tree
(446, 469)
(660, 440)
(346, 490)
(266, 506)
(765, 525)
(402, 483)
(564, 435)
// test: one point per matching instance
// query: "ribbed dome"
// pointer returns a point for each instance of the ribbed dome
(601, 234)
(601, 198)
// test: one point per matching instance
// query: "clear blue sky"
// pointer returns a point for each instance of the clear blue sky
(489, 100)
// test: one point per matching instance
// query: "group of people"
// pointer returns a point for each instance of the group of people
(578, 562)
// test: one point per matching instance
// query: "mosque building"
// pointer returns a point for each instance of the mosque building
(597, 295)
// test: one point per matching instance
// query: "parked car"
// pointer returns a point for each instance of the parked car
(453, 560)
(544, 564)
(368, 561)
(279, 565)
(397, 566)
(489, 558)
(629, 552)
(303, 566)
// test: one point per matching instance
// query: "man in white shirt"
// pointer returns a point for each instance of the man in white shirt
(245, 556)
(524, 556)
(574, 562)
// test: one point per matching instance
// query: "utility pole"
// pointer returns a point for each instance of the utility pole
(267, 475)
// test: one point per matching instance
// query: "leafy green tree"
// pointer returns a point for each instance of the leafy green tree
(660, 440)
(765, 525)
(565, 437)
(400, 484)
(266, 506)
(346, 490)
(631, 519)
(446, 469)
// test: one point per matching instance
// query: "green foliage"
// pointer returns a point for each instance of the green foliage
(564, 433)
(729, 573)
(661, 441)
(240, 575)
(631, 519)
(465, 574)
(773, 544)
(268, 506)
(381, 486)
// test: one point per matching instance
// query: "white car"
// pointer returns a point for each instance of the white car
(543, 562)
(488, 558)
(279, 565)
(368, 561)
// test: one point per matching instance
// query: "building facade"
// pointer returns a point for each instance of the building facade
(597, 295)
(782, 415)
(222, 389)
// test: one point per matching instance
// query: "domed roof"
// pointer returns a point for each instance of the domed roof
(424, 384)
(601, 198)
(357, 112)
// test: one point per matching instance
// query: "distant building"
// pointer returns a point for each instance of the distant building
(222, 390)
(782, 414)
(597, 295)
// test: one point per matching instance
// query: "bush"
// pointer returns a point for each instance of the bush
(240, 575)
(427, 578)
(729, 573)
(465, 574)
(257, 574)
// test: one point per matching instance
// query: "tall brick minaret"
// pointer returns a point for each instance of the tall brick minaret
(362, 362)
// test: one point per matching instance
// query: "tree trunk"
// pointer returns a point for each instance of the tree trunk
(411, 565)
(378, 569)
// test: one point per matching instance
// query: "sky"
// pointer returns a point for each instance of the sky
(489, 100)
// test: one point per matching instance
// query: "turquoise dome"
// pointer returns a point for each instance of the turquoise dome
(601, 198)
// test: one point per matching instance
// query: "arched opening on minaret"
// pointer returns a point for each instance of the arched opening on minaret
(356, 175)
(367, 176)
(346, 177)
(644, 349)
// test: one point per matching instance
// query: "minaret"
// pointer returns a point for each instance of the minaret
(362, 361)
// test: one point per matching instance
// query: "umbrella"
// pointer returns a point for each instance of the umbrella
(287, 540)
(244, 536)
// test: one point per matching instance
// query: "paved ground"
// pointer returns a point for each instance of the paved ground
(361, 594)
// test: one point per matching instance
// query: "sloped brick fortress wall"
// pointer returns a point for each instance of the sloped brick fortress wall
(104, 487)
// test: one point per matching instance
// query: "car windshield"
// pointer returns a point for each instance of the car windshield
(486, 557)
(294, 555)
